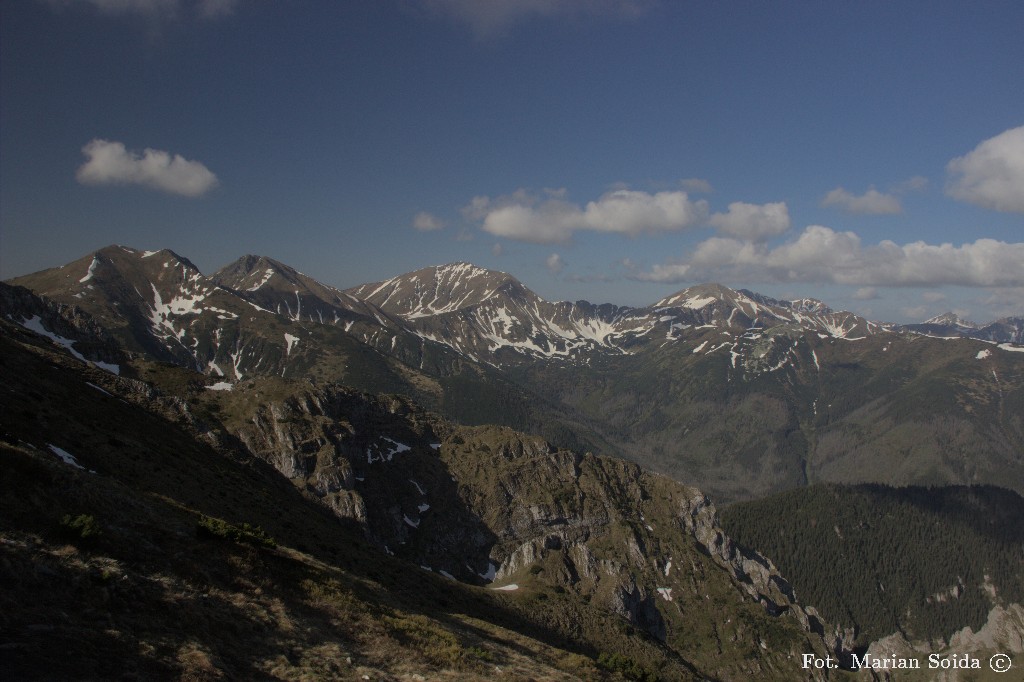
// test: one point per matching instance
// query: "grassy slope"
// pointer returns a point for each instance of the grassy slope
(147, 597)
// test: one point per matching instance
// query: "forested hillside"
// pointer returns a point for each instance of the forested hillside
(921, 561)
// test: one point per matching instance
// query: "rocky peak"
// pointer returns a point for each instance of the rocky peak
(697, 297)
(250, 273)
(441, 289)
(810, 305)
(951, 319)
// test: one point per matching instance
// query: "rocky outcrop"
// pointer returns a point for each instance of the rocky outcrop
(1002, 633)
(757, 575)
(490, 505)
(70, 322)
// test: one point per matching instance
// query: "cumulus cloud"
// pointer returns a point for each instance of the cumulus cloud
(552, 219)
(111, 164)
(916, 312)
(823, 255)
(871, 202)
(1006, 302)
(477, 208)
(992, 175)
(497, 249)
(555, 263)
(487, 18)
(866, 294)
(425, 222)
(752, 222)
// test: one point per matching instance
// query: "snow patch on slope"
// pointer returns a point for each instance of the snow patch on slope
(91, 272)
(66, 457)
(35, 323)
(291, 341)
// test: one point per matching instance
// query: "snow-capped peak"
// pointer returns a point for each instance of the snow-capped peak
(951, 319)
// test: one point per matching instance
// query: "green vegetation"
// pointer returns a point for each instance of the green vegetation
(150, 601)
(625, 666)
(209, 527)
(83, 528)
(924, 561)
(597, 534)
(439, 646)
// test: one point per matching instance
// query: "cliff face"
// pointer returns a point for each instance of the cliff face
(1002, 633)
(490, 506)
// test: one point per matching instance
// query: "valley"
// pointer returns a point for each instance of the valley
(552, 471)
(737, 393)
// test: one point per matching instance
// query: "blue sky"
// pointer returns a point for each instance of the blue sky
(868, 154)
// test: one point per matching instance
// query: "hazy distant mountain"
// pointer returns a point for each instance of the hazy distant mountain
(742, 394)
(491, 316)
(1004, 330)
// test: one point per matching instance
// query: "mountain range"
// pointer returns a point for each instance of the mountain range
(741, 394)
(398, 480)
(288, 529)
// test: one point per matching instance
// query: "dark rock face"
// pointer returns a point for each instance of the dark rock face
(67, 321)
(488, 505)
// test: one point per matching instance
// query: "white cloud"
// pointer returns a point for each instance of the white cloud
(871, 202)
(487, 18)
(752, 221)
(823, 255)
(425, 222)
(992, 175)
(866, 294)
(553, 220)
(1006, 302)
(555, 263)
(477, 208)
(497, 249)
(915, 313)
(696, 185)
(111, 164)
(933, 296)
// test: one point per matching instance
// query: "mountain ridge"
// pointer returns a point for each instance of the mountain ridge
(458, 274)
(743, 411)
(742, 394)
(146, 466)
